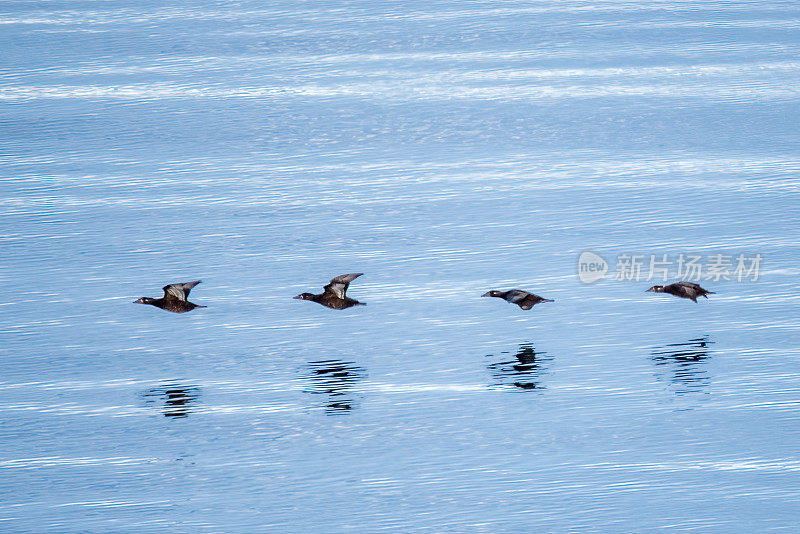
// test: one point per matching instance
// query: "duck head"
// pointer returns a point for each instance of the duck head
(656, 289)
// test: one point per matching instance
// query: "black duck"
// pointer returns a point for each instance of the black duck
(684, 290)
(174, 299)
(333, 295)
(521, 298)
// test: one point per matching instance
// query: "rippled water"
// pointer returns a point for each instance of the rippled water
(443, 149)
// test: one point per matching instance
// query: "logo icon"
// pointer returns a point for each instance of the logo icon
(591, 267)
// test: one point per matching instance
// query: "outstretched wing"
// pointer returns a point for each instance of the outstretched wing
(523, 299)
(516, 296)
(179, 291)
(687, 290)
(337, 286)
(527, 304)
(691, 285)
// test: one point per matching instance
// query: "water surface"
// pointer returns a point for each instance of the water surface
(443, 149)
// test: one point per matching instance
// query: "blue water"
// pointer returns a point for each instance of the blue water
(443, 149)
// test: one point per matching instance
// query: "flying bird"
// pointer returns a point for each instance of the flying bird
(174, 299)
(333, 294)
(684, 290)
(521, 298)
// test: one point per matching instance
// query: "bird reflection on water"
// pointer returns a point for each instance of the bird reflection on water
(523, 373)
(683, 365)
(336, 379)
(174, 400)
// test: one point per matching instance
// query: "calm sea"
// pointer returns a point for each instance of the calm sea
(443, 149)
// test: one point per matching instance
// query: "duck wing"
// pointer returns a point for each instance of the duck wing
(516, 296)
(527, 304)
(179, 291)
(697, 288)
(684, 289)
(338, 286)
(523, 299)
(691, 285)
